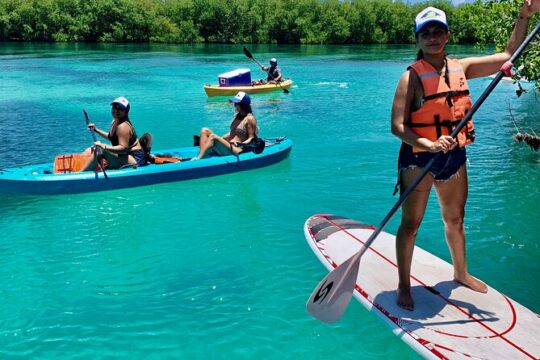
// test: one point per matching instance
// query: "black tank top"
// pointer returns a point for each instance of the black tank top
(113, 138)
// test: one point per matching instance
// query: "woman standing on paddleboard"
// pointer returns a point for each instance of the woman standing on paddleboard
(430, 99)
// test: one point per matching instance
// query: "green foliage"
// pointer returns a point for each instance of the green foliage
(497, 22)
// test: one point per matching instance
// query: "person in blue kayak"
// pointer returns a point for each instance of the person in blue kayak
(432, 96)
(243, 130)
(125, 148)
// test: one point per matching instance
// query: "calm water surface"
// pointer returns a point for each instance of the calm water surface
(219, 268)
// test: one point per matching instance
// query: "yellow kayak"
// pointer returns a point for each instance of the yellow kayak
(216, 90)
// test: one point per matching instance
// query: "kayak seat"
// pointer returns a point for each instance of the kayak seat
(146, 141)
(255, 145)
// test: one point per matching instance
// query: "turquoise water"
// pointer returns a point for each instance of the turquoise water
(218, 267)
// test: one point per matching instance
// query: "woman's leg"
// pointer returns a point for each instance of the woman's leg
(114, 161)
(452, 196)
(413, 210)
(87, 151)
(223, 147)
(205, 143)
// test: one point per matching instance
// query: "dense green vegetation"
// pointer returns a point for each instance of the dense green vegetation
(229, 21)
(497, 20)
(252, 21)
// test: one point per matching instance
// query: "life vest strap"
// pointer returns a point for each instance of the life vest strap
(448, 124)
(446, 94)
(437, 120)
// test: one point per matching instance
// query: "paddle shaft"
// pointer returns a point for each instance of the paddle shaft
(454, 133)
(249, 55)
(100, 159)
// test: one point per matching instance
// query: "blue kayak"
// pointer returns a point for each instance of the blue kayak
(40, 180)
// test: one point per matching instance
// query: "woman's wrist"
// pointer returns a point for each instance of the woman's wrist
(524, 14)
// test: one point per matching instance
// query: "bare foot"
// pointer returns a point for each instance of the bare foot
(404, 298)
(472, 283)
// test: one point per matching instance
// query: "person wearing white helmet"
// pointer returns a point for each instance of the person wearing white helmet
(243, 130)
(124, 148)
(274, 73)
(432, 96)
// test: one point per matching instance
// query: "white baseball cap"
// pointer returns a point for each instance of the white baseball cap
(241, 97)
(122, 102)
(429, 15)
(273, 60)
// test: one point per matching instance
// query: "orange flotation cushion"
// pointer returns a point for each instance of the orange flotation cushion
(165, 159)
(70, 163)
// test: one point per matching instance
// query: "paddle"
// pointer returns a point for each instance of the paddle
(249, 55)
(97, 149)
(333, 294)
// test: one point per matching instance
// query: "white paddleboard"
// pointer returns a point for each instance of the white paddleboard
(449, 321)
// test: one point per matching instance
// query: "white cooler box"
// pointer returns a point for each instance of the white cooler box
(238, 77)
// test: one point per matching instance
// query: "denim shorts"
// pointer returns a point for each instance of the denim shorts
(444, 167)
(140, 157)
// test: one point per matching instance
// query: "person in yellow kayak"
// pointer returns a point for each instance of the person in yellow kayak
(243, 130)
(125, 148)
(431, 97)
(273, 74)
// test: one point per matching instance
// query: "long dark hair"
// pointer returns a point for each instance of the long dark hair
(246, 108)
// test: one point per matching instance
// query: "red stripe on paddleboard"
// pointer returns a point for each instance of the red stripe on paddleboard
(496, 334)
(456, 352)
(512, 325)
(361, 291)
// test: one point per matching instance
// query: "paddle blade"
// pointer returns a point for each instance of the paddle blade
(86, 117)
(332, 296)
(248, 53)
(286, 91)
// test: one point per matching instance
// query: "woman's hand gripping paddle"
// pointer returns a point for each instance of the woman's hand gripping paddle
(98, 151)
(333, 294)
(249, 55)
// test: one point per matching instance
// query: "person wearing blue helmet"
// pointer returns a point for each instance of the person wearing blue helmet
(125, 148)
(243, 130)
(274, 73)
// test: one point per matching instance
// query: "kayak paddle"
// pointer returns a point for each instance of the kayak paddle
(249, 55)
(333, 294)
(98, 150)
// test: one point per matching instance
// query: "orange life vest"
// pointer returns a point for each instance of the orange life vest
(442, 106)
